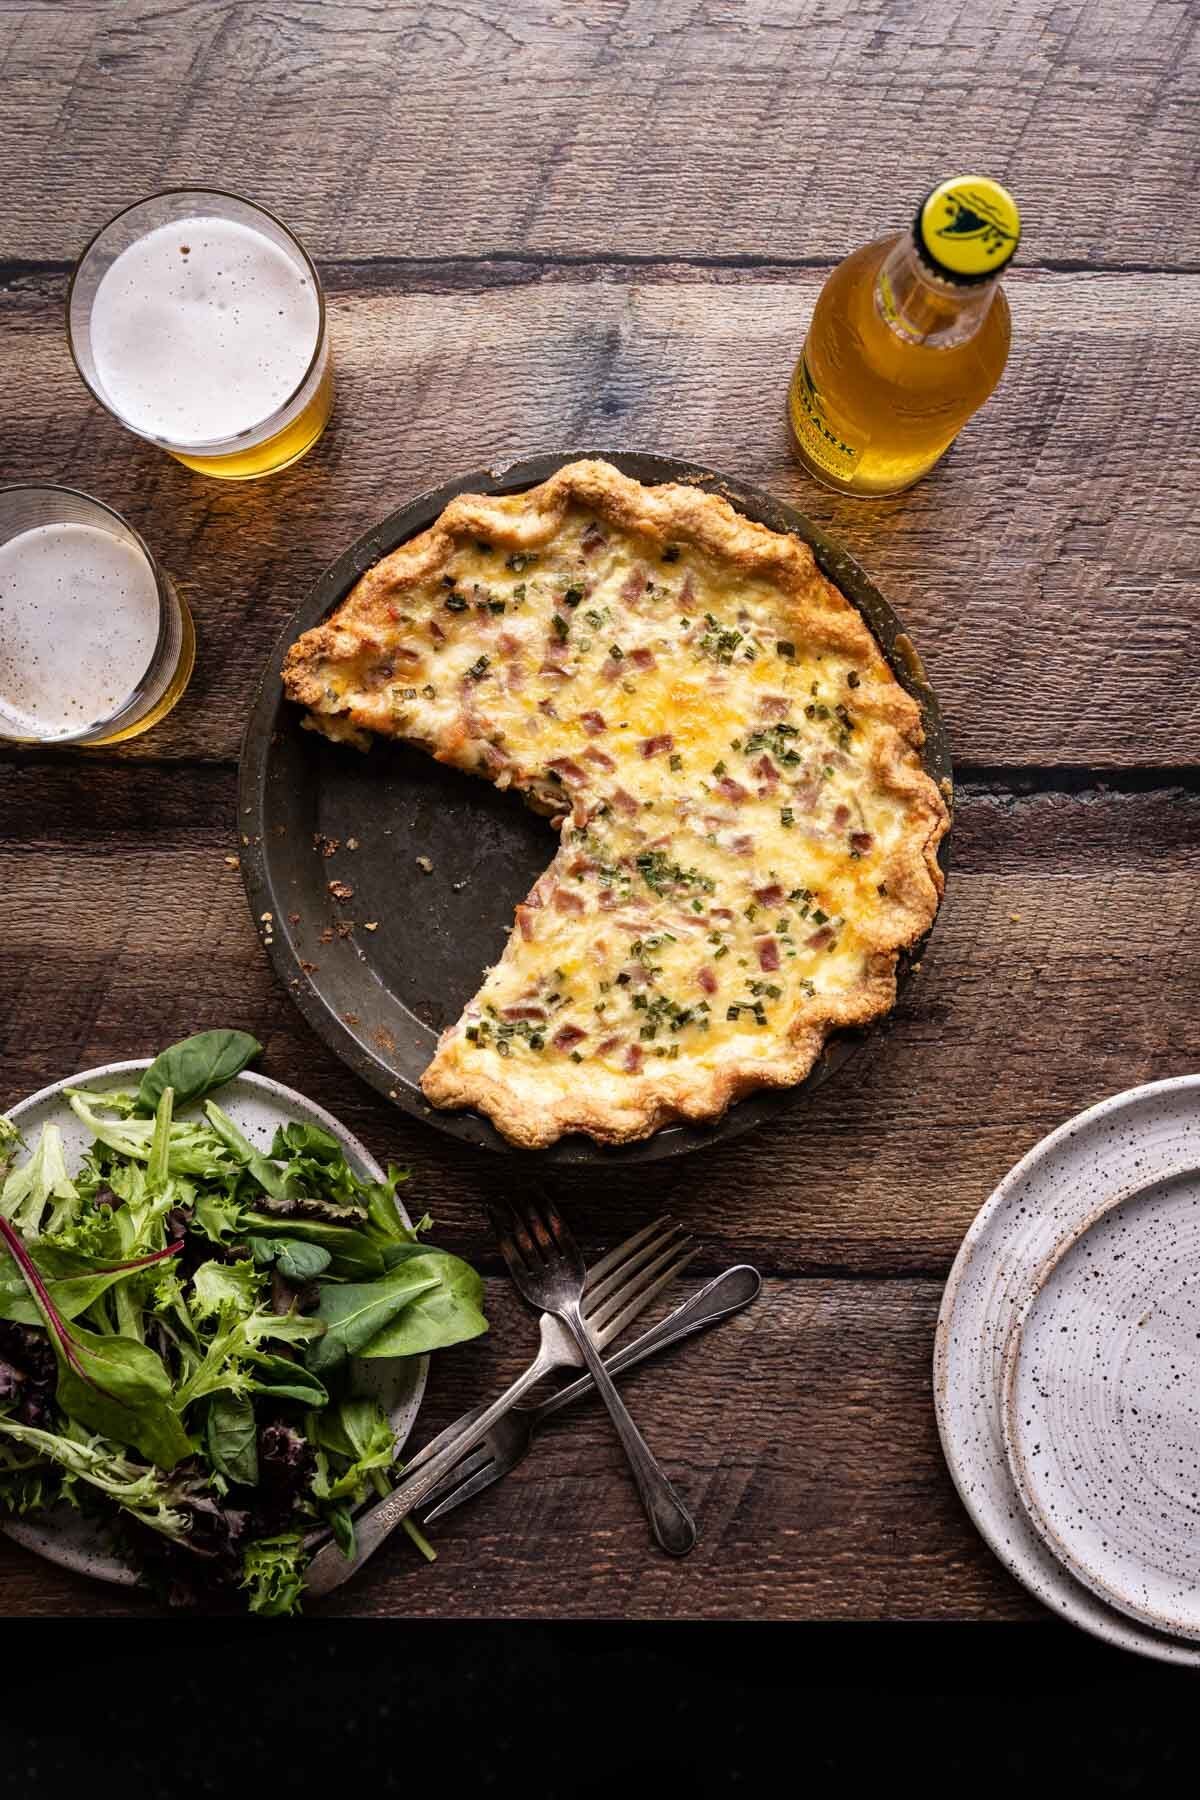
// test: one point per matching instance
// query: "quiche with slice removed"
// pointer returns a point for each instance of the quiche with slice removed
(747, 837)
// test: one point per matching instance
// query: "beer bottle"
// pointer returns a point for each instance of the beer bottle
(909, 336)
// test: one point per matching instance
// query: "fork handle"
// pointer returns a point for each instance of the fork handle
(670, 1520)
(725, 1294)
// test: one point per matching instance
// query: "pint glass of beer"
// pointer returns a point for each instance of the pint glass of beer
(95, 643)
(197, 320)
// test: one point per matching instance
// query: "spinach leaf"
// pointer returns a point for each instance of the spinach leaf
(359, 1433)
(231, 1436)
(195, 1066)
(286, 1380)
(352, 1314)
(449, 1311)
(296, 1261)
(353, 1252)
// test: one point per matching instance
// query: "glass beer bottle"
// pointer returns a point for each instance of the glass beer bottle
(909, 337)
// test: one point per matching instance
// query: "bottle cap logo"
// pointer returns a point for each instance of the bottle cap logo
(968, 228)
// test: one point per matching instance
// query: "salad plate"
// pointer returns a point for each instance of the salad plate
(258, 1106)
(1124, 1143)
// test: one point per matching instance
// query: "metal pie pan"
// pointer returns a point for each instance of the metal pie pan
(380, 997)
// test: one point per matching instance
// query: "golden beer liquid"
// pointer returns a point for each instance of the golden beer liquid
(173, 691)
(871, 405)
(284, 447)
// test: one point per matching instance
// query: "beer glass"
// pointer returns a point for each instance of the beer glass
(95, 643)
(197, 320)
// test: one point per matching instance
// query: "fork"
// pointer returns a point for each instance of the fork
(548, 1270)
(628, 1284)
(511, 1438)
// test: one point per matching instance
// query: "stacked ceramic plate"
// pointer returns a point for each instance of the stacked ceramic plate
(1067, 1370)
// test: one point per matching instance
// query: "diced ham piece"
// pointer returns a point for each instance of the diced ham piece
(742, 846)
(841, 816)
(593, 723)
(633, 584)
(526, 921)
(819, 939)
(707, 978)
(624, 803)
(509, 643)
(570, 771)
(606, 899)
(554, 671)
(568, 1037)
(687, 592)
(643, 658)
(774, 706)
(720, 912)
(526, 1010)
(547, 706)
(861, 841)
(732, 790)
(655, 746)
(610, 1043)
(582, 865)
(769, 896)
(598, 757)
(593, 538)
(633, 1058)
(514, 677)
(768, 953)
(765, 769)
(567, 902)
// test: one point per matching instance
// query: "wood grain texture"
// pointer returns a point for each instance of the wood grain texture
(1056, 976)
(543, 227)
(1048, 570)
(801, 1431)
(696, 127)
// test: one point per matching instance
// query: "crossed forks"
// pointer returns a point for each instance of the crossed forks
(487, 1441)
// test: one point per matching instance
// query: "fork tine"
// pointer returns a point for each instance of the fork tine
(605, 1289)
(613, 1260)
(478, 1459)
(539, 1217)
(635, 1302)
(467, 1491)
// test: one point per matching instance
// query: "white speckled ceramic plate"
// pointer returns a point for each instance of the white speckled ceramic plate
(256, 1105)
(1124, 1144)
(1101, 1413)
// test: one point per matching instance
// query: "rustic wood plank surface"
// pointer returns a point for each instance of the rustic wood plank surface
(546, 227)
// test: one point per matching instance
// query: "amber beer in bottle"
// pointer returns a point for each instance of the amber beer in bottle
(909, 337)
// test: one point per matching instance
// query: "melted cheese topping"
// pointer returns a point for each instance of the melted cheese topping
(719, 877)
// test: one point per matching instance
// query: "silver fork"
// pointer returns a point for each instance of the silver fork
(629, 1283)
(548, 1270)
(511, 1438)
(660, 1251)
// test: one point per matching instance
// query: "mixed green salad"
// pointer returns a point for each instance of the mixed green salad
(180, 1321)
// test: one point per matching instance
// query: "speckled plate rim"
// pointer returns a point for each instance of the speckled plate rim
(1013, 1432)
(1020, 1549)
(70, 1539)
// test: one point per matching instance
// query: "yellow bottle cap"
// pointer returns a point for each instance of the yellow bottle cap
(967, 229)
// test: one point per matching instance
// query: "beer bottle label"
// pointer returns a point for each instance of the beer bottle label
(821, 437)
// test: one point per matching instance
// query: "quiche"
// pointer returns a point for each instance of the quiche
(747, 838)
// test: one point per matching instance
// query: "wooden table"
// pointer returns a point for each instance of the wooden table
(545, 226)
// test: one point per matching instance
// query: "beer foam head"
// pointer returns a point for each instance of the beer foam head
(79, 620)
(202, 329)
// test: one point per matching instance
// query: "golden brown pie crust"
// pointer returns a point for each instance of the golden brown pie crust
(770, 582)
